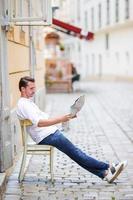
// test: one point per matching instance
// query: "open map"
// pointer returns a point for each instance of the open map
(78, 104)
(74, 109)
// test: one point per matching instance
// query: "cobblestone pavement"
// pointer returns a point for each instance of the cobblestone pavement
(104, 129)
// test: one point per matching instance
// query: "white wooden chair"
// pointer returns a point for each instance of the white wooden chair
(33, 149)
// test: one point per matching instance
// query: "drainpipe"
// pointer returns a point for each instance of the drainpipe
(31, 53)
(31, 46)
(6, 147)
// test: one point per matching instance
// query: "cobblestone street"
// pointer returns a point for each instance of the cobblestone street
(103, 129)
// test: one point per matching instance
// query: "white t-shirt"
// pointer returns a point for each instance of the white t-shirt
(27, 109)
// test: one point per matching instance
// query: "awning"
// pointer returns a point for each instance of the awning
(71, 30)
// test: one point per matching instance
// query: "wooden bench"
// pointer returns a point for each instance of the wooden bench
(58, 76)
(60, 86)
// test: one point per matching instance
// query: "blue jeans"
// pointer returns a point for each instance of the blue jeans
(59, 141)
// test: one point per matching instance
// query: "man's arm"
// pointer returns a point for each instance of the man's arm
(52, 121)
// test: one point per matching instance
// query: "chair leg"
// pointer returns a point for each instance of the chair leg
(21, 172)
(51, 163)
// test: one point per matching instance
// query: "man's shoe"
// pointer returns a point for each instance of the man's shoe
(114, 171)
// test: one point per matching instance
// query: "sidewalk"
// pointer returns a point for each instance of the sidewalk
(2, 184)
(104, 129)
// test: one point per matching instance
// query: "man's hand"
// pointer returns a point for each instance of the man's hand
(66, 118)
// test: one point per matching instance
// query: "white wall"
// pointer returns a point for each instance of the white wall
(93, 59)
(117, 60)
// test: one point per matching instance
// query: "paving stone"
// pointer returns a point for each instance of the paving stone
(12, 197)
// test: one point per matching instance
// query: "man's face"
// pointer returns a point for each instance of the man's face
(29, 90)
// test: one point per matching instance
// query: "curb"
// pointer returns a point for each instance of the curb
(2, 184)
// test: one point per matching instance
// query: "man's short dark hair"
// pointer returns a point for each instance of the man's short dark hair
(24, 81)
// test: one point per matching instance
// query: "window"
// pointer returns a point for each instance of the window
(127, 58)
(79, 48)
(86, 20)
(87, 64)
(107, 41)
(92, 18)
(117, 57)
(126, 9)
(99, 15)
(108, 11)
(117, 11)
(78, 10)
(100, 65)
(93, 64)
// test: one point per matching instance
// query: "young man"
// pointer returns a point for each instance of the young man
(44, 131)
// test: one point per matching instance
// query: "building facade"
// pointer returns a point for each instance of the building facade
(21, 54)
(109, 55)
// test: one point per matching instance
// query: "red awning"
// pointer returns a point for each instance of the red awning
(71, 30)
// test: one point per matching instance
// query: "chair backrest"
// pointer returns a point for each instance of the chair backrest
(24, 123)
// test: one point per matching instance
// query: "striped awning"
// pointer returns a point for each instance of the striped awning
(71, 30)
